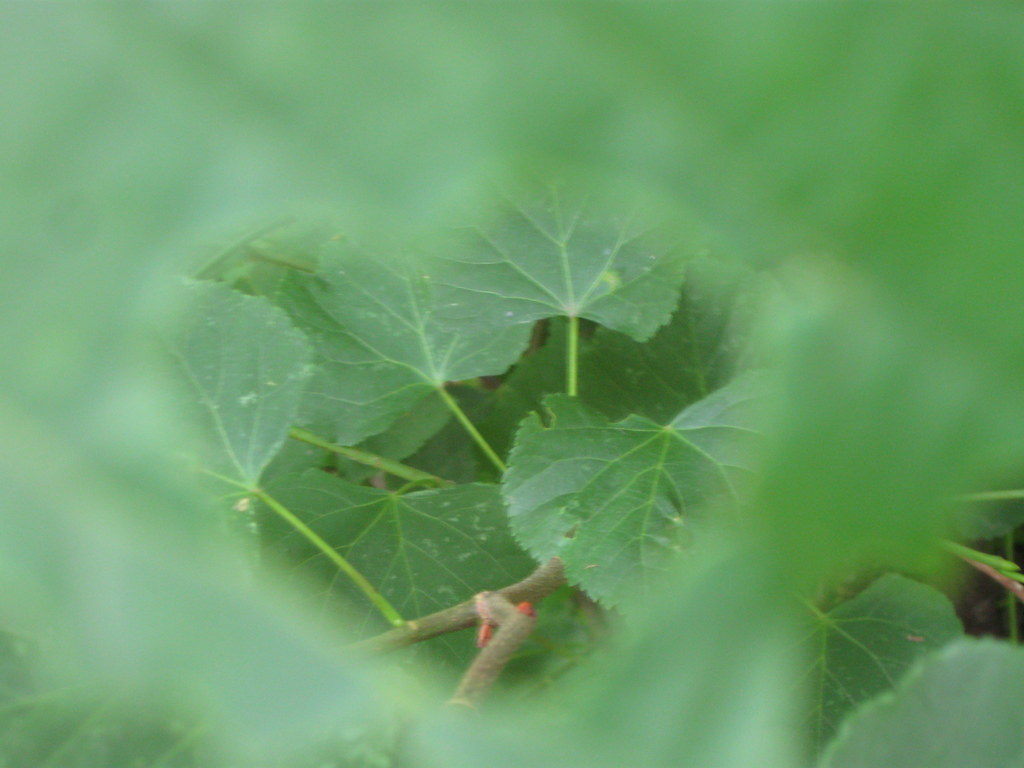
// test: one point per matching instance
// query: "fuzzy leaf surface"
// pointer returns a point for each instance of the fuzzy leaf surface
(383, 339)
(631, 492)
(863, 646)
(247, 366)
(423, 551)
(553, 254)
(963, 707)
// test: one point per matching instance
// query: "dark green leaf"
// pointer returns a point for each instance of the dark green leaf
(863, 646)
(536, 375)
(616, 500)
(247, 366)
(451, 453)
(423, 551)
(965, 706)
(697, 352)
(381, 343)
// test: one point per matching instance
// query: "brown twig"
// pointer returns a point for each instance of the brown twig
(514, 626)
(1014, 587)
(534, 588)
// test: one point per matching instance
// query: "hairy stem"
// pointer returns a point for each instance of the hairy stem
(513, 628)
(534, 588)
(369, 459)
(472, 430)
(375, 597)
(572, 356)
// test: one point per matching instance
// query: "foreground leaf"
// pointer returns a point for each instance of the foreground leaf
(382, 343)
(423, 551)
(247, 366)
(629, 493)
(75, 728)
(863, 646)
(963, 707)
(554, 254)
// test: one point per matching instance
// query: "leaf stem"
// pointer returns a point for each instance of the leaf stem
(468, 425)
(572, 356)
(1011, 603)
(375, 597)
(369, 459)
(995, 561)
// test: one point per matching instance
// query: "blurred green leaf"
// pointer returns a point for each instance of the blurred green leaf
(247, 366)
(961, 707)
(863, 646)
(380, 344)
(556, 254)
(616, 500)
(880, 143)
(71, 730)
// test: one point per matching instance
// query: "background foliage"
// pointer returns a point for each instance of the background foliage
(867, 157)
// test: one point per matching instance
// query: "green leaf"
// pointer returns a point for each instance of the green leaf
(87, 734)
(698, 351)
(863, 646)
(536, 375)
(964, 706)
(381, 341)
(423, 551)
(629, 494)
(555, 254)
(451, 453)
(703, 346)
(77, 728)
(247, 366)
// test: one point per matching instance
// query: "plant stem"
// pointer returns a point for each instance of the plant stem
(375, 597)
(468, 425)
(369, 459)
(994, 495)
(513, 628)
(572, 356)
(534, 588)
(995, 561)
(1011, 604)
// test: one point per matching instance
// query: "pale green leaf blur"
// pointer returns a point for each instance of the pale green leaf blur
(870, 154)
